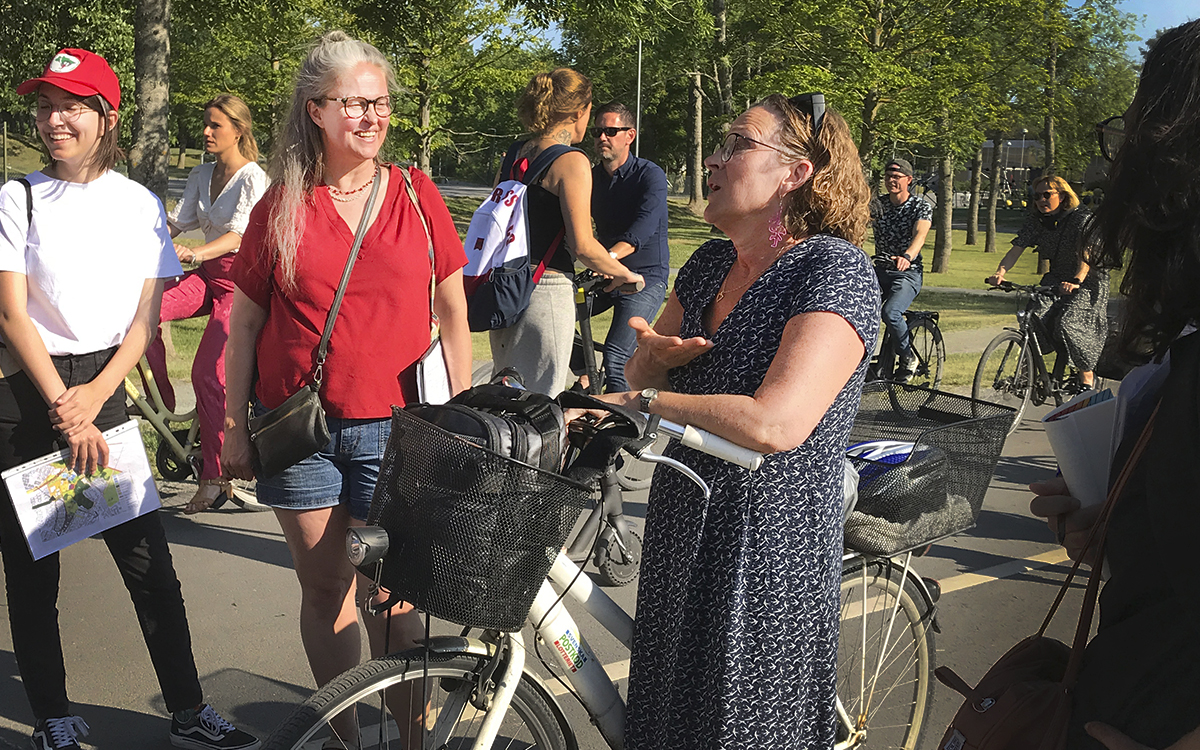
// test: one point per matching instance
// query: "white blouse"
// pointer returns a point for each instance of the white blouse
(230, 212)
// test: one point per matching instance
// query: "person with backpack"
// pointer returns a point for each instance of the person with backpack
(555, 108)
(327, 178)
(84, 252)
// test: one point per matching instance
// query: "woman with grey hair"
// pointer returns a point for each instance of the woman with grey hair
(292, 257)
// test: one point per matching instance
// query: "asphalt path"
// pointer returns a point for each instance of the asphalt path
(242, 599)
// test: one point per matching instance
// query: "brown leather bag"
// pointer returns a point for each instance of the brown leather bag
(1024, 700)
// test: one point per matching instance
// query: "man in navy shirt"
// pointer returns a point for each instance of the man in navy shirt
(629, 204)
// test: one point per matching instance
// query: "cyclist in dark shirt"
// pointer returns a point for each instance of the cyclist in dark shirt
(900, 220)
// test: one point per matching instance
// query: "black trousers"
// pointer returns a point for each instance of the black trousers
(139, 548)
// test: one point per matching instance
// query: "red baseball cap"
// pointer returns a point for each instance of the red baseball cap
(81, 73)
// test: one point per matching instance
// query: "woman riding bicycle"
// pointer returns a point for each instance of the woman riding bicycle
(764, 341)
(217, 200)
(1078, 318)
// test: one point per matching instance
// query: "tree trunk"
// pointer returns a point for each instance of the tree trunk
(1049, 135)
(150, 155)
(424, 99)
(723, 65)
(696, 164)
(870, 112)
(943, 215)
(976, 190)
(989, 245)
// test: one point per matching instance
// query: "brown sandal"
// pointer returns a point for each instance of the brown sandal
(203, 500)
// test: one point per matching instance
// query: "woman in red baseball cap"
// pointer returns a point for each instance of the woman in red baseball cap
(69, 233)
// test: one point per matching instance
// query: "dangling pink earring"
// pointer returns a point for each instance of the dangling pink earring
(778, 231)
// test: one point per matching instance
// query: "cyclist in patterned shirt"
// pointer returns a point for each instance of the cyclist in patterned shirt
(900, 220)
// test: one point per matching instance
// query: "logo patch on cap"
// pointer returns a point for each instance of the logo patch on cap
(64, 63)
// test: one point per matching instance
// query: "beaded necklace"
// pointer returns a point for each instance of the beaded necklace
(345, 196)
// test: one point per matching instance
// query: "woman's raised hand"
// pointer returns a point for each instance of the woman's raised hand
(666, 352)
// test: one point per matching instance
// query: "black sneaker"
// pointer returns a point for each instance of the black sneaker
(58, 733)
(206, 730)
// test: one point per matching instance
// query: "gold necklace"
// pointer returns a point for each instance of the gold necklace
(345, 196)
(724, 292)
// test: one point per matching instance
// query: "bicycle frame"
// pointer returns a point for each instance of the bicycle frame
(159, 415)
(1031, 329)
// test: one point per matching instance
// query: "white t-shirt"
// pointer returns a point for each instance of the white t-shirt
(230, 212)
(86, 256)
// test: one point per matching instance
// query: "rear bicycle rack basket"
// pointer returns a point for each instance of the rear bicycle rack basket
(472, 534)
(938, 489)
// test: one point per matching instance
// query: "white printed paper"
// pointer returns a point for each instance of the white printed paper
(1082, 441)
(58, 507)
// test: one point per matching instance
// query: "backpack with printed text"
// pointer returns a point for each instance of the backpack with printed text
(499, 277)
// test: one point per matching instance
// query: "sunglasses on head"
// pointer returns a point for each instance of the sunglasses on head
(610, 132)
(813, 105)
(1045, 194)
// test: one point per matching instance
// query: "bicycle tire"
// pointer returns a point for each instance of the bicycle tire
(1008, 380)
(926, 340)
(168, 464)
(452, 675)
(612, 572)
(885, 662)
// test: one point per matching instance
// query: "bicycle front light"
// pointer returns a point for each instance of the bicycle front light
(366, 545)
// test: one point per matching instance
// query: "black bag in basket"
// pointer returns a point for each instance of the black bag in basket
(474, 512)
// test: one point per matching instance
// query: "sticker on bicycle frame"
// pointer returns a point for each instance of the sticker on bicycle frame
(956, 741)
(571, 651)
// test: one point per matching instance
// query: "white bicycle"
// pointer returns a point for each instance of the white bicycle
(478, 691)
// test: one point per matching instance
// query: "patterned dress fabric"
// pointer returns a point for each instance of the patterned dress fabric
(1079, 322)
(735, 642)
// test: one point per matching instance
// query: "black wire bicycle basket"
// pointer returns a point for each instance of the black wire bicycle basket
(937, 489)
(472, 533)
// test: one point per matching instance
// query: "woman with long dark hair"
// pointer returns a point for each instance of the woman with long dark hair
(1140, 682)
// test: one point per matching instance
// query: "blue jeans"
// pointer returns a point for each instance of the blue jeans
(621, 339)
(899, 289)
(345, 471)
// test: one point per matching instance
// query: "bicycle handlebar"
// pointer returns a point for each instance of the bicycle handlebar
(1008, 286)
(713, 445)
(591, 282)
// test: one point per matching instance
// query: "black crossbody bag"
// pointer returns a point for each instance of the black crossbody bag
(296, 429)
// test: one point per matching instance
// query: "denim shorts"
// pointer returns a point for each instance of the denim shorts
(345, 471)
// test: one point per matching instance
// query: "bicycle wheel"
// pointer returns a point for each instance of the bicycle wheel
(454, 717)
(927, 344)
(885, 658)
(1005, 375)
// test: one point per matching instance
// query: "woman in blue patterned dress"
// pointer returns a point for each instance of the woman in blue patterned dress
(764, 341)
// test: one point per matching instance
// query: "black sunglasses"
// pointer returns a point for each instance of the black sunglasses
(610, 132)
(1111, 134)
(812, 104)
(1045, 195)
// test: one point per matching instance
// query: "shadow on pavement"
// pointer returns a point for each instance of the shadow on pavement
(1023, 470)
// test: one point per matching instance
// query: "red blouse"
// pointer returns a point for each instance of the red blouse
(383, 325)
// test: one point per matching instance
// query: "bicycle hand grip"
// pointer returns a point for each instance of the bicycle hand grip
(713, 445)
(632, 287)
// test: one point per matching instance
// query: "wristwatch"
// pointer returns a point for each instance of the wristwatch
(1076, 281)
(645, 398)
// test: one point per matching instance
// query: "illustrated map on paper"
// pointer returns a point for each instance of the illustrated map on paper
(58, 506)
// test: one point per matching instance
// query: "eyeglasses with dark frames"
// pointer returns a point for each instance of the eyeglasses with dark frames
(611, 132)
(736, 142)
(356, 106)
(813, 105)
(1111, 134)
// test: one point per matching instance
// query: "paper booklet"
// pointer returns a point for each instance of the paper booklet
(1081, 435)
(58, 507)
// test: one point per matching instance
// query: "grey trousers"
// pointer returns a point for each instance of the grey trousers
(539, 344)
